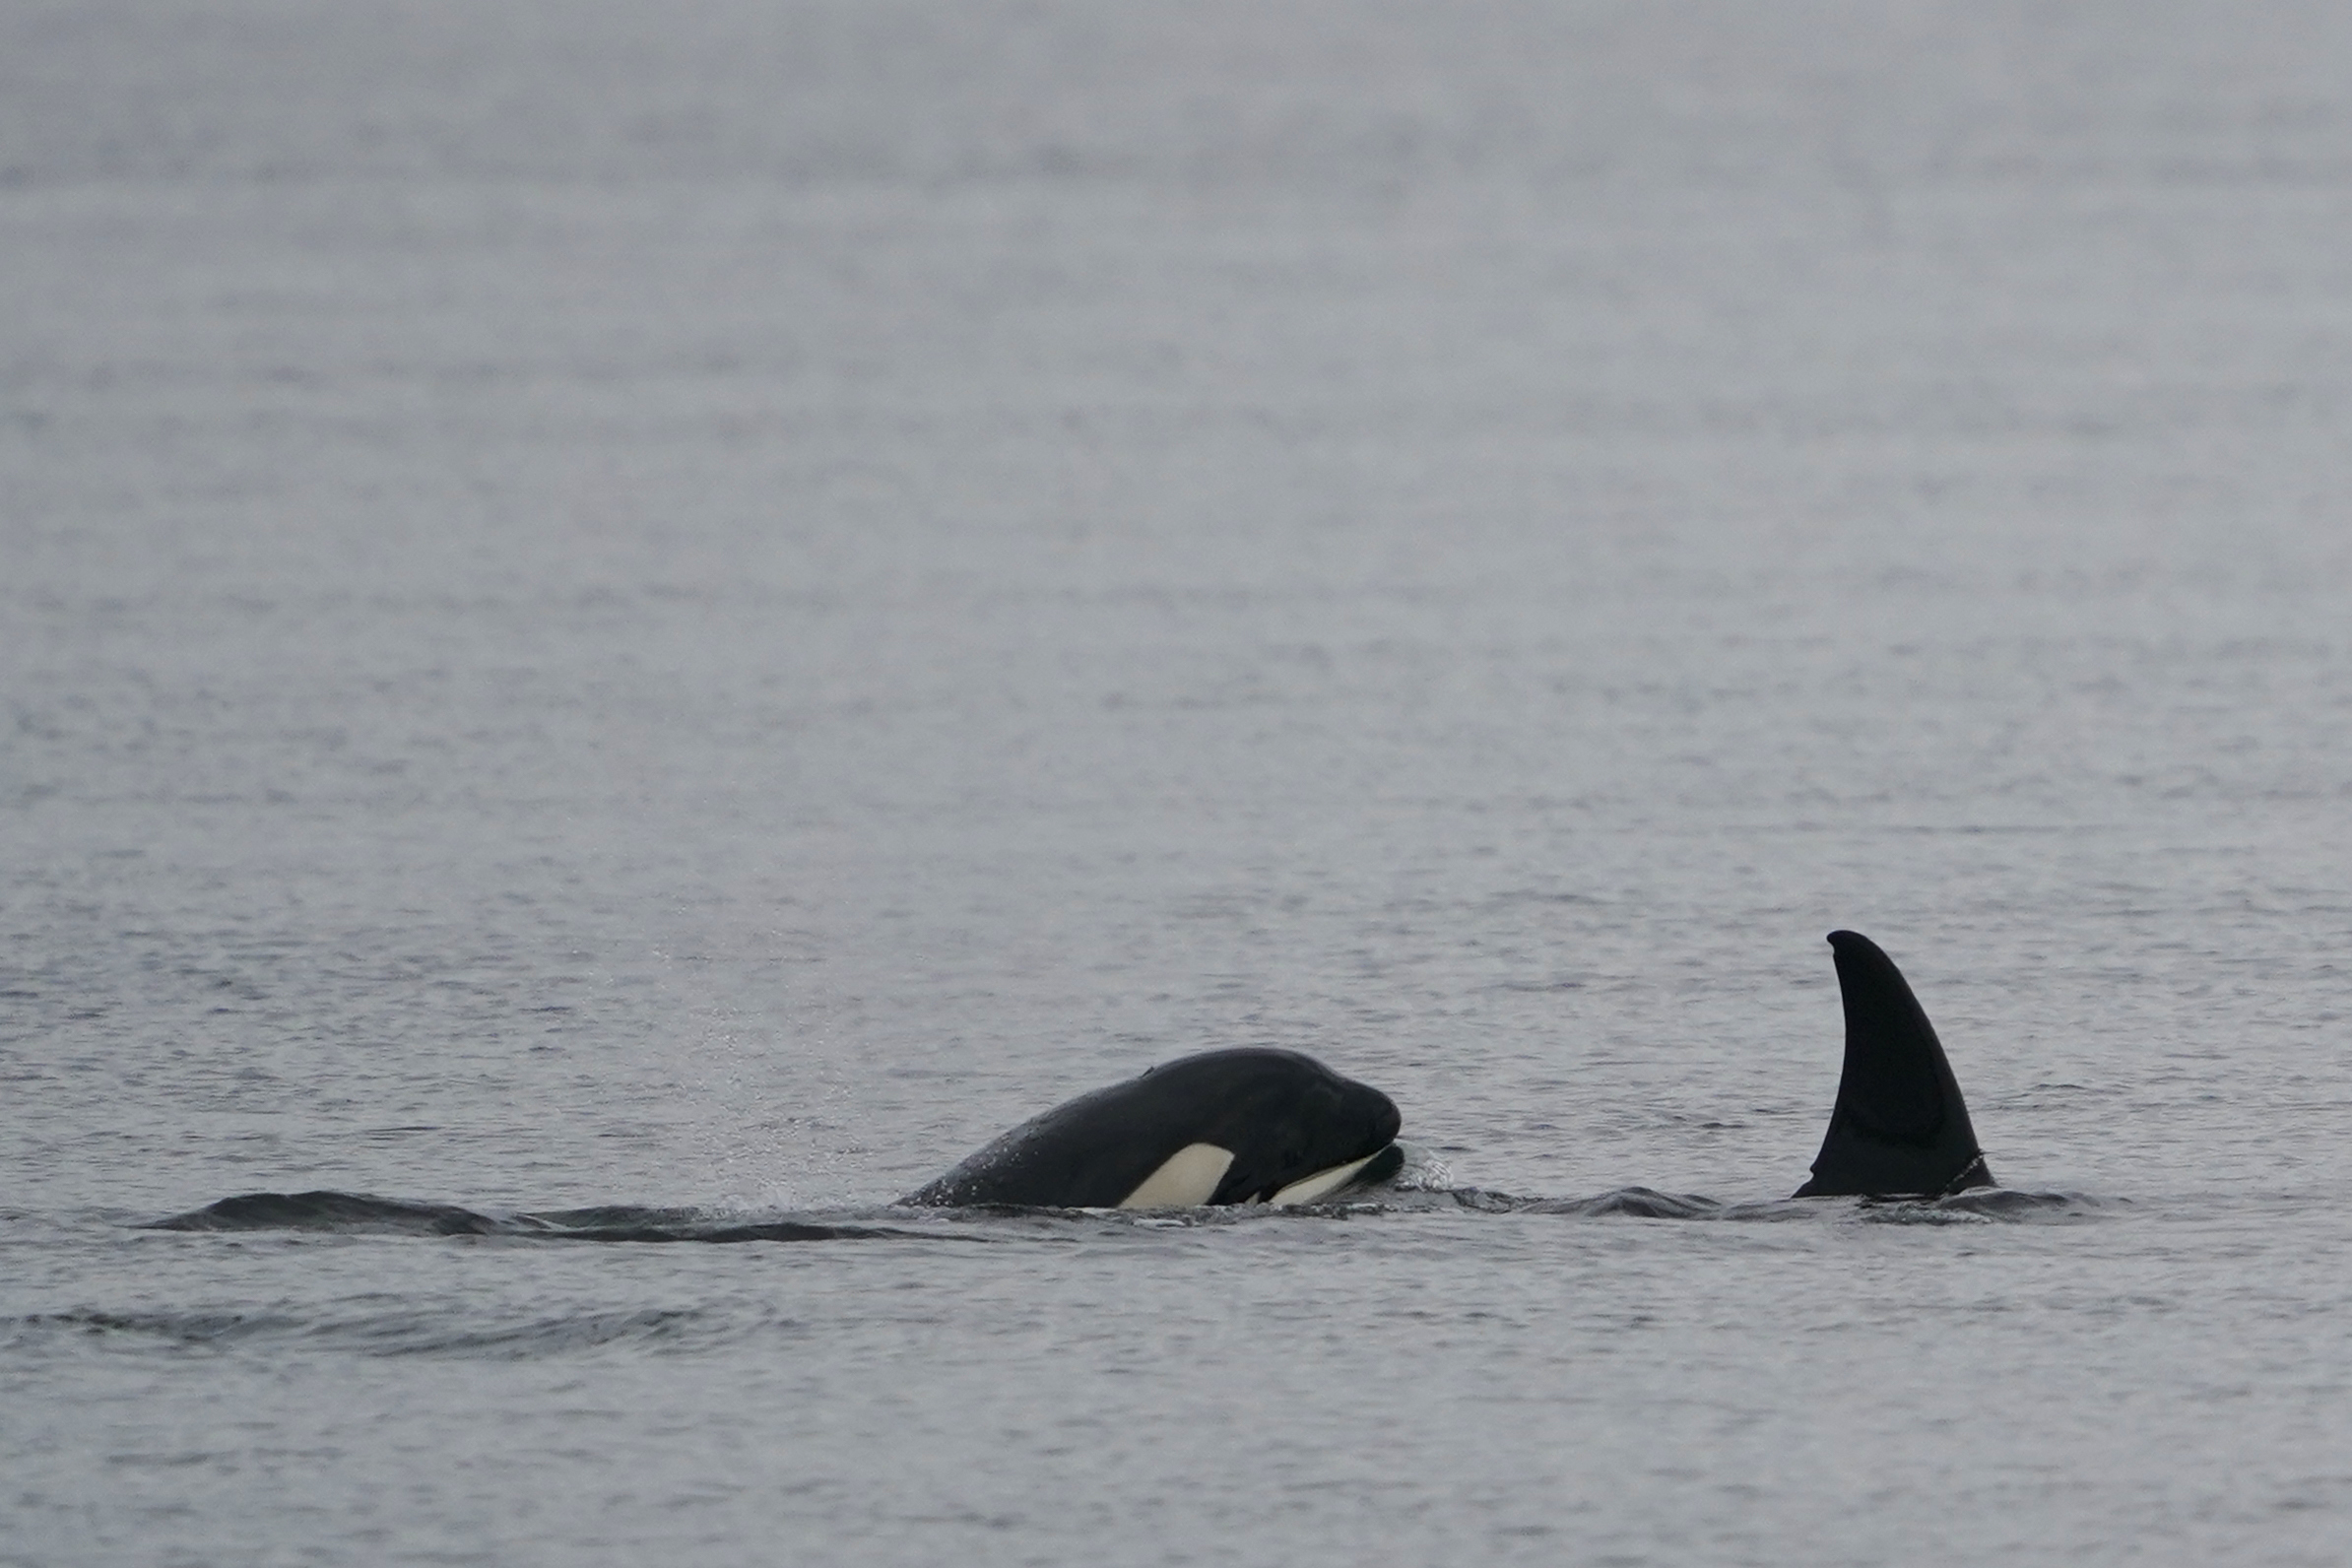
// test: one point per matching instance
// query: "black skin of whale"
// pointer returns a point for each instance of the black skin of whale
(1285, 1116)
(1900, 1129)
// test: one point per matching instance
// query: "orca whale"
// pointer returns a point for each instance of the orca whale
(1900, 1129)
(1246, 1126)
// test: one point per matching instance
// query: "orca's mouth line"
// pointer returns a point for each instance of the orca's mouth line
(1380, 1164)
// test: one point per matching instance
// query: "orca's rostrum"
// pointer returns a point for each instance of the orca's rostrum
(1900, 1129)
(1244, 1126)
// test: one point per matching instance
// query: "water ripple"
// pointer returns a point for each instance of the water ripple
(360, 1214)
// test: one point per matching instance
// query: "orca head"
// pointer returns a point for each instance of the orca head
(1295, 1130)
(1252, 1124)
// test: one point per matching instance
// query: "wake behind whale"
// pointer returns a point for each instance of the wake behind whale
(363, 1213)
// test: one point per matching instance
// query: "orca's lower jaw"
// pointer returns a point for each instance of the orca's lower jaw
(1325, 1186)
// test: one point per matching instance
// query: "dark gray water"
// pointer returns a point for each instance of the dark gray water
(685, 614)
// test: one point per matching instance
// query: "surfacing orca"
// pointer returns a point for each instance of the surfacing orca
(1900, 1129)
(1245, 1126)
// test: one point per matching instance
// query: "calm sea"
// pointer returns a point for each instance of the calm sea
(687, 611)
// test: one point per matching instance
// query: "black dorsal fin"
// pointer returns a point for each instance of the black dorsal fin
(1900, 1128)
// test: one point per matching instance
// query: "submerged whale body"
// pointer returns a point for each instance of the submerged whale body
(1246, 1126)
(1900, 1129)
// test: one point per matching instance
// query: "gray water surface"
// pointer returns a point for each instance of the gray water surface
(697, 610)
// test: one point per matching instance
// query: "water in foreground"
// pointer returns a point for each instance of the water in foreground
(1446, 1374)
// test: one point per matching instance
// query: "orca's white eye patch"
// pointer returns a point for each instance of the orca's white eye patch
(1186, 1179)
